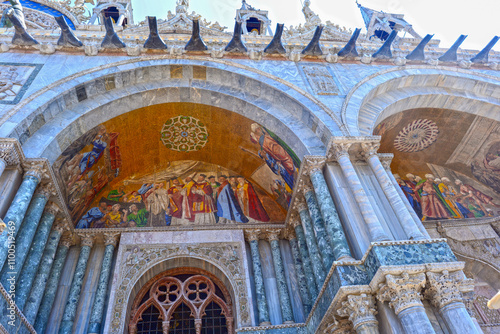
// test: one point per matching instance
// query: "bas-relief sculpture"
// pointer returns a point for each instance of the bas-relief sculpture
(434, 167)
(177, 174)
(15, 79)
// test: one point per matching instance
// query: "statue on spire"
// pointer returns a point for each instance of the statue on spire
(182, 6)
(312, 19)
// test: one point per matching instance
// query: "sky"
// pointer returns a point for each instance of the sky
(447, 19)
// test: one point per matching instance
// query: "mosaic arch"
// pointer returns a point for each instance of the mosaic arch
(446, 162)
(177, 164)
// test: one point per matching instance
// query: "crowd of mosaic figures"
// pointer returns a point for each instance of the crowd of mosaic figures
(440, 198)
(198, 200)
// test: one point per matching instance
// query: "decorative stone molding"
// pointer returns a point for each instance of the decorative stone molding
(137, 260)
(299, 204)
(289, 233)
(360, 309)
(402, 291)
(443, 288)
(111, 238)
(87, 239)
(294, 220)
(60, 226)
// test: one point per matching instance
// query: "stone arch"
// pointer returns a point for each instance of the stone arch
(139, 267)
(46, 122)
(388, 92)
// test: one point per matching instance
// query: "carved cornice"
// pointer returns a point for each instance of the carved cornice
(445, 288)
(360, 309)
(111, 238)
(402, 291)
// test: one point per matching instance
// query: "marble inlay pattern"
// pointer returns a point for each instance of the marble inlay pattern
(227, 257)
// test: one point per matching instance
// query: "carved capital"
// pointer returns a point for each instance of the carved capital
(35, 169)
(87, 239)
(299, 204)
(294, 220)
(52, 208)
(252, 235)
(445, 288)
(402, 291)
(47, 190)
(9, 154)
(111, 239)
(386, 160)
(313, 164)
(360, 309)
(273, 235)
(370, 148)
(60, 227)
(289, 234)
(67, 240)
(338, 150)
(339, 326)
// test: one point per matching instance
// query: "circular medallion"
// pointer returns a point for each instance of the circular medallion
(416, 136)
(184, 134)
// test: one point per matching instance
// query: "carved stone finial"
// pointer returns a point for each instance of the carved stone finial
(402, 291)
(111, 238)
(67, 239)
(16, 16)
(252, 235)
(236, 44)
(87, 239)
(370, 148)
(445, 288)
(338, 150)
(196, 43)
(276, 46)
(360, 309)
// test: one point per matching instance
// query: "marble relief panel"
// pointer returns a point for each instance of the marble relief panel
(15, 79)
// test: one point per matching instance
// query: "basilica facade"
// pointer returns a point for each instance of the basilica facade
(171, 175)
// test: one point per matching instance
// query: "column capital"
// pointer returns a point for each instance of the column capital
(67, 239)
(294, 220)
(272, 235)
(87, 239)
(35, 169)
(111, 238)
(338, 326)
(402, 291)
(370, 148)
(360, 309)
(252, 235)
(47, 190)
(299, 204)
(386, 160)
(60, 227)
(9, 153)
(313, 164)
(52, 208)
(445, 288)
(289, 234)
(304, 186)
(338, 150)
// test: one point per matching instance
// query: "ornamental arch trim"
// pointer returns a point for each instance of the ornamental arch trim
(140, 263)
(425, 86)
(46, 121)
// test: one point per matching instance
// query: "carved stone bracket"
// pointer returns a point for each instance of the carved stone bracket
(360, 309)
(402, 291)
(445, 288)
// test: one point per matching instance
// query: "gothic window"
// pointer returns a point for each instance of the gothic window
(181, 304)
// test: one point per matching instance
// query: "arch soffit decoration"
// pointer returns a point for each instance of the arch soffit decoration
(299, 118)
(132, 279)
(381, 94)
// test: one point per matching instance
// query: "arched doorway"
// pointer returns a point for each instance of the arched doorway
(182, 301)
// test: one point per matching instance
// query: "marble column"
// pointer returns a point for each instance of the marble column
(360, 309)
(403, 294)
(17, 210)
(406, 220)
(110, 240)
(30, 266)
(444, 292)
(253, 239)
(43, 313)
(319, 272)
(330, 215)
(40, 282)
(285, 302)
(69, 313)
(324, 243)
(385, 159)
(341, 155)
(306, 260)
(299, 270)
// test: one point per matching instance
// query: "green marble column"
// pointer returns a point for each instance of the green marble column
(40, 282)
(102, 287)
(75, 289)
(43, 313)
(17, 210)
(312, 246)
(330, 216)
(30, 266)
(253, 239)
(306, 260)
(324, 243)
(301, 277)
(284, 296)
